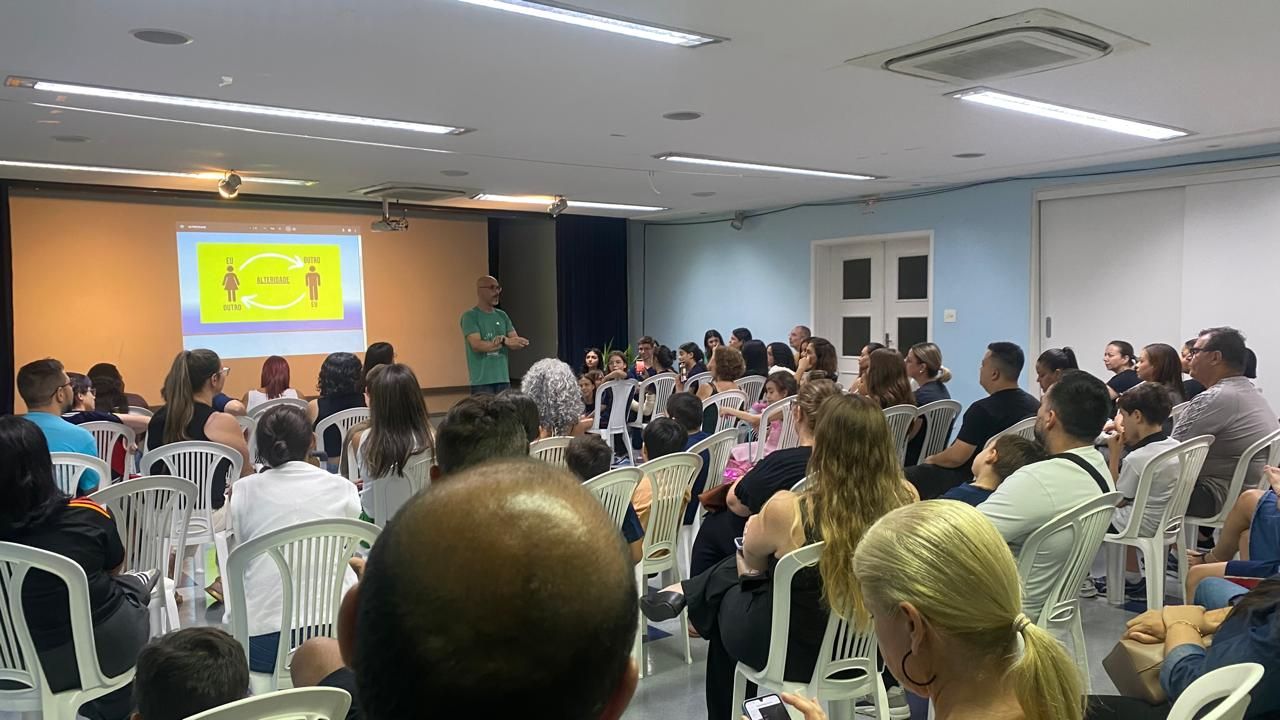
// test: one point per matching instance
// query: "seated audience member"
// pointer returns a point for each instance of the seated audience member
(1005, 404)
(1191, 387)
(797, 336)
(819, 356)
(924, 365)
(779, 470)
(685, 409)
(274, 383)
(35, 513)
(109, 396)
(554, 390)
(379, 353)
(1051, 364)
(1119, 359)
(527, 409)
(779, 386)
(726, 368)
(993, 465)
(966, 646)
(49, 393)
(111, 371)
(415, 615)
(755, 358)
(690, 358)
(1141, 412)
(663, 436)
(780, 358)
(85, 410)
(1230, 409)
(341, 388)
(1244, 631)
(864, 358)
(885, 380)
(1070, 418)
(587, 384)
(270, 500)
(643, 368)
(710, 341)
(738, 337)
(1159, 363)
(854, 478)
(616, 367)
(1256, 515)
(477, 429)
(188, 671)
(592, 360)
(399, 431)
(589, 457)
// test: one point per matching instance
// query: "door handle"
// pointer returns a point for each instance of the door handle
(1048, 326)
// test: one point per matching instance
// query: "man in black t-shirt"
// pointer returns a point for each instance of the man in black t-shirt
(1005, 404)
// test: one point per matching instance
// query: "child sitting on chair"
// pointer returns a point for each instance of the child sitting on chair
(779, 386)
(993, 465)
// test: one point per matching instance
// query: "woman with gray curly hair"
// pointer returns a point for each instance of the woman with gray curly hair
(554, 389)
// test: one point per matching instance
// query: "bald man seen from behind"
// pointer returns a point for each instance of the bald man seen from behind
(504, 593)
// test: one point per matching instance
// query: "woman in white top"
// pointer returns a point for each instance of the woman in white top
(275, 383)
(288, 491)
(399, 432)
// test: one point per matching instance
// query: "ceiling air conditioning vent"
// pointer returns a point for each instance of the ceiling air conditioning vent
(408, 193)
(1028, 42)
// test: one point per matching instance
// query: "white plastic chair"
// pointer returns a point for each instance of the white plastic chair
(312, 561)
(152, 514)
(260, 409)
(1177, 410)
(1190, 457)
(718, 447)
(899, 418)
(753, 386)
(691, 383)
(1271, 444)
(1086, 523)
(386, 495)
(1230, 684)
(622, 391)
(107, 435)
(197, 461)
(844, 651)
(735, 399)
(551, 450)
(68, 467)
(789, 436)
(343, 421)
(19, 662)
(801, 485)
(671, 477)
(310, 703)
(660, 387)
(139, 410)
(939, 416)
(249, 428)
(614, 490)
(1025, 428)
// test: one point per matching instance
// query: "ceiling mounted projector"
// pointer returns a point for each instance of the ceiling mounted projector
(229, 186)
(390, 224)
(557, 207)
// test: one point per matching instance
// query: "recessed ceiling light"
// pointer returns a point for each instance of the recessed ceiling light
(161, 37)
(743, 165)
(228, 106)
(548, 199)
(154, 173)
(968, 156)
(703, 193)
(1213, 146)
(454, 173)
(48, 122)
(598, 21)
(995, 98)
(682, 115)
(70, 138)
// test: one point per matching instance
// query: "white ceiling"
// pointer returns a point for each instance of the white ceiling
(546, 99)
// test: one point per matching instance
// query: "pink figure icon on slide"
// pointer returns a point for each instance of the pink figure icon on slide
(231, 283)
(313, 285)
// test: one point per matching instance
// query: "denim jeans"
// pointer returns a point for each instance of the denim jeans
(1214, 593)
(492, 389)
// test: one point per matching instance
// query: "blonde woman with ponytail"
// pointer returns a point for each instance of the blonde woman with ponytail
(944, 594)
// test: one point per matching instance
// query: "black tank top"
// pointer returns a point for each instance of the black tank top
(327, 405)
(200, 415)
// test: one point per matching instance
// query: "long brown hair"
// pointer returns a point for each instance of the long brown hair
(853, 479)
(1166, 368)
(190, 371)
(887, 381)
(398, 424)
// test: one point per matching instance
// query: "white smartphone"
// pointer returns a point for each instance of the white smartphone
(765, 707)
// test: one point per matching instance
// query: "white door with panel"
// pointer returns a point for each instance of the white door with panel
(871, 291)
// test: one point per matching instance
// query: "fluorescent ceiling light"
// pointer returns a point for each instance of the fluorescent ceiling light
(227, 106)
(548, 199)
(741, 165)
(995, 98)
(210, 175)
(596, 21)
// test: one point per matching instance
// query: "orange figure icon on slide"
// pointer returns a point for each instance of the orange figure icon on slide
(231, 283)
(313, 285)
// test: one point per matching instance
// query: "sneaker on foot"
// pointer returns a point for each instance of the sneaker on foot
(1088, 589)
(898, 709)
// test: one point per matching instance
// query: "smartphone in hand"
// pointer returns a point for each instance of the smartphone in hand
(765, 707)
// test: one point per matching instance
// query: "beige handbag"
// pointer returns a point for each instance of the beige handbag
(1134, 667)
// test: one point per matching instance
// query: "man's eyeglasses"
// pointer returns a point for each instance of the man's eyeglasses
(65, 384)
(1193, 351)
(225, 371)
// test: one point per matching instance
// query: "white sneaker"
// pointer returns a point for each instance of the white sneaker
(1088, 589)
(898, 709)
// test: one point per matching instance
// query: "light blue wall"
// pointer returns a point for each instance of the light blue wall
(685, 279)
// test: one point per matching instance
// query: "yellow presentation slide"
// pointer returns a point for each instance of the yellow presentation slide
(250, 282)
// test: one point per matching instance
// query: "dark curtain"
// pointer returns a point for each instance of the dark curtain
(494, 244)
(7, 368)
(591, 284)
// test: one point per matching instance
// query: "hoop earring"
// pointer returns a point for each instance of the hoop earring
(912, 680)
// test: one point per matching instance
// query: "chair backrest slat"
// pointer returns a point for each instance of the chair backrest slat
(672, 478)
(899, 418)
(551, 450)
(614, 490)
(938, 416)
(1084, 527)
(735, 399)
(69, 467)
(107, 436)
(753, 386)
(718, 448)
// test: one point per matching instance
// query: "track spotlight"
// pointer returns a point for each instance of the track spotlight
(739, 218)
(229, 186)
(559, 206)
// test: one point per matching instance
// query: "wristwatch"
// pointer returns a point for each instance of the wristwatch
(502, 340)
